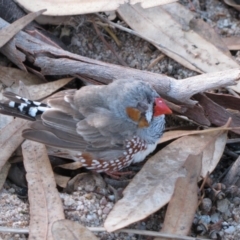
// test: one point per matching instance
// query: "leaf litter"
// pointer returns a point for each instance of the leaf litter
(212, 151)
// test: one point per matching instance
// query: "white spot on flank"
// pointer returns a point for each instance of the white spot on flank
(18, 97)
(130, 150)
(32, 111)
(11, 104)
(83, 160)
(90, 167)
(106, 166)
(95, 161)
(21, 106)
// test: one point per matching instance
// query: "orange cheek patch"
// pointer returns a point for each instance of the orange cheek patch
(133, 113)
(143, 123)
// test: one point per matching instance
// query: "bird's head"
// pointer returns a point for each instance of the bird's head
(138, 101)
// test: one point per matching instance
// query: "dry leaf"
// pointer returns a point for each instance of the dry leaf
(233, 42)
(61, 181)
(142, 198)
(178, 40)
(209, 33)
(71, 166)
(182, 207)
(167, 136)
(66, 229)
(75, 7)
(9, 31)
(4, 173)
(216, 114)
(43, 90)
(225, 100)
(11, 77)
(32, 85)
(45, 203)
(11, 138)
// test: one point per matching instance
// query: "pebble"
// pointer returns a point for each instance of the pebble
(68, 201)
(230, 230)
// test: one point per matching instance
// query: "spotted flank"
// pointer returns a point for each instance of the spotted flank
(28, 107)
(133, 146)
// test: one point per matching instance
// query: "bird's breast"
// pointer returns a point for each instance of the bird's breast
(142, 154)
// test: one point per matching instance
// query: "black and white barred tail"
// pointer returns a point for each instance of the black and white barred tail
(22, 107)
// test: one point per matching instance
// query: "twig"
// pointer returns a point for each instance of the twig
(101, 229)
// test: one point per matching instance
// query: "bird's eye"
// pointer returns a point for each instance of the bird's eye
(142, 107)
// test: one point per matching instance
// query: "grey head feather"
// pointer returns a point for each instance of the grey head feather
(129, 94)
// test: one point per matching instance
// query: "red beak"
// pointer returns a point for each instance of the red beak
(161, 107)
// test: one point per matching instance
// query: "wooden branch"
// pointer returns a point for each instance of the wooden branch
(55, 61)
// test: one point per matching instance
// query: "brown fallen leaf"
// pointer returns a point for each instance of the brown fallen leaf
(45, 203)
(71, 166)
(183, 204)
(61, 181)
(167, 136)
(233, 42)
(217, 114)
(178, 40)
(142, 198)
(66, 229)
(225, 100)
(74, 7)
(4, 173)
(9, 31)
(209, 33)
(11, 138)
(11, 77)
(45, 89)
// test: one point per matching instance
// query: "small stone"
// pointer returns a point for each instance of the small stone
(236, 201)
(223, 205)
(106, 210)
(11, 190)
(103, 201)
(206, 205)
(68, 201)
(230, 230)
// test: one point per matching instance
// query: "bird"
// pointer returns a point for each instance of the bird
(108, 127)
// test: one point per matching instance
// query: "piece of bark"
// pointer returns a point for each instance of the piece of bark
(54, 61)
(225, 100)
(197, 114)
(217, 114)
